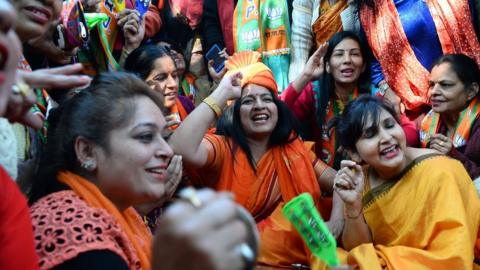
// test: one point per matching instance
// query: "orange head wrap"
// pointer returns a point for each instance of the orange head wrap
(253, 71)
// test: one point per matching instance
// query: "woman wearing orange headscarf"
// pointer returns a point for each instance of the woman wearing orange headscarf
(258, 155)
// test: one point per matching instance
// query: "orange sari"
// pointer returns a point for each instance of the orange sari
(403, 72)
(329, 22)
(281, 174)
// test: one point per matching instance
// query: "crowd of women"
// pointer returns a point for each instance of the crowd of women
(171, 134)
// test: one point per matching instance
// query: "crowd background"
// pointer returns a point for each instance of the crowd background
(111, 108)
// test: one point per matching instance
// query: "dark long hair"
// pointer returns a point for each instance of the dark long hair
(141, 60)
(108, 103)
(350, 126)
(327, 82)
(230, 125)
(465, 67)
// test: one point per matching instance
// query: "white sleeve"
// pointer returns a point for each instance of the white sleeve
(302, 37)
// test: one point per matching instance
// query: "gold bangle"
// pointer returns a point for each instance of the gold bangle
(213, 105)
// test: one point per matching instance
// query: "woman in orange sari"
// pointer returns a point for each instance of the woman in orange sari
(408, 208)
(155, 65)
(256, 154)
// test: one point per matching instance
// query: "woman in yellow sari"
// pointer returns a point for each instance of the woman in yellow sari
(408, 208)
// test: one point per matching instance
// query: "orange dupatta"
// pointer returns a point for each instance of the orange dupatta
(328, 138)
(329, 22)
(290, 162)
(130, 222)
(180, 110)
(431, 123)
(389, 43)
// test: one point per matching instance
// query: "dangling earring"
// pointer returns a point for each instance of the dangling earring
(88, 165)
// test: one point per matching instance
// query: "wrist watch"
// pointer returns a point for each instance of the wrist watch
(382, 88)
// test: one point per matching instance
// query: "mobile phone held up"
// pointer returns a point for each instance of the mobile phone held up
(218, 60)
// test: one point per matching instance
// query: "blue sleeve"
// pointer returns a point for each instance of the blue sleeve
(376, 71)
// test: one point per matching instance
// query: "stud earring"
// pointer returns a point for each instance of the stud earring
(88, 165)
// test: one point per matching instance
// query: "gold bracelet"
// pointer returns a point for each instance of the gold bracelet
(213, 105)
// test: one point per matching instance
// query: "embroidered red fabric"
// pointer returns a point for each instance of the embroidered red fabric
(65, 226)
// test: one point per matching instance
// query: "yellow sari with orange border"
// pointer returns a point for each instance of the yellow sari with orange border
(427, 218)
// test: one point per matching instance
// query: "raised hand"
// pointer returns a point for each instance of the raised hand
(175, 172)
(21, 99)
(231, 85)
(216, 76)
(127, 14)
(314, 67)
(133, 27)
(56, 78)
(349, 183)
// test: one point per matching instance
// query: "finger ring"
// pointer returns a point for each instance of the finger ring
(190, 195)
(247, 255)
(20, 88)
(441, 143)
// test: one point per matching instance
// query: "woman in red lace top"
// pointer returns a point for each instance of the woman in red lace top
(106, 151)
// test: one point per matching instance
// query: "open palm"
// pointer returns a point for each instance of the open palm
(314, 67)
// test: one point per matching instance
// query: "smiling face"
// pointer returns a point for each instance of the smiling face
(346, 62)
(134, 169)
(9, 52)
(164, 78)
(258, 112)
(383, 147)
(447, 93)
(34, 16)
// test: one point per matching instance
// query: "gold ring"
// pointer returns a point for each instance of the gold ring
(441, 143)
(189, 194)
(20, 88)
